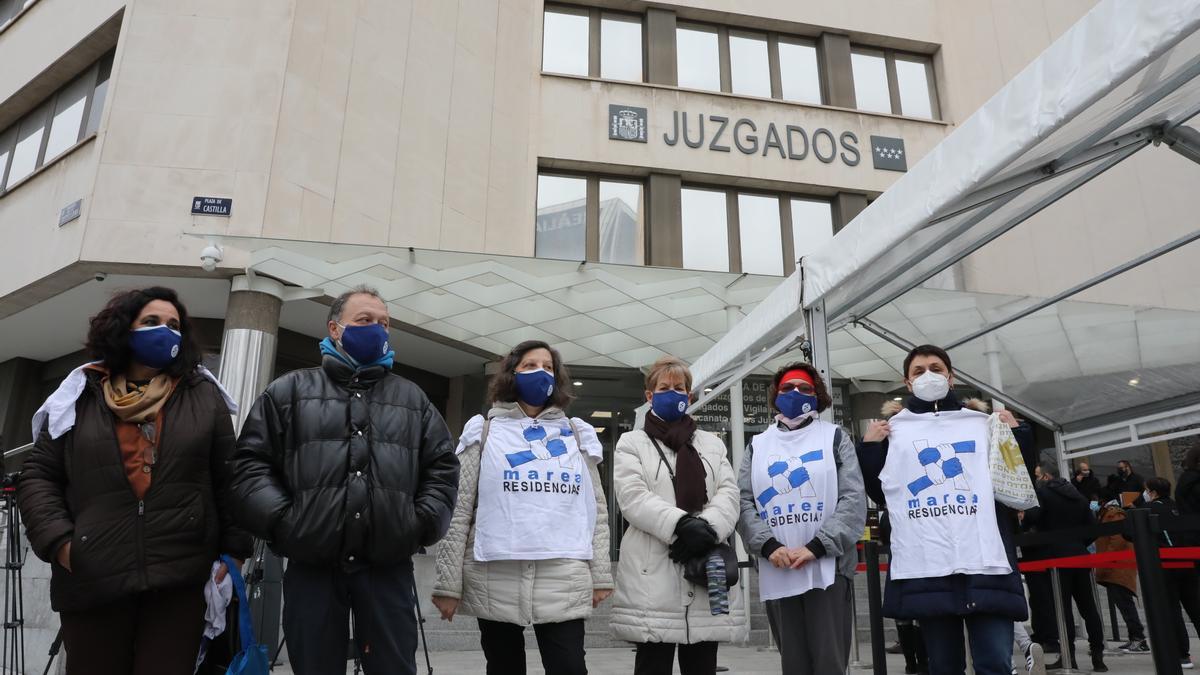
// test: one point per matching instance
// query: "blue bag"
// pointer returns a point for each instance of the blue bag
(253, 658)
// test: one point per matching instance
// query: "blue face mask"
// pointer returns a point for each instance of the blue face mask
(365, 344)
(669, 405)
(535, 387)
(1095, 507)
(794, 404)
(155, 346)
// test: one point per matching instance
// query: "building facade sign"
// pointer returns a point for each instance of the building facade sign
(212, 206)
(626, 123)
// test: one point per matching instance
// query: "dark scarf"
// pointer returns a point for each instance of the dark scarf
(690, 492)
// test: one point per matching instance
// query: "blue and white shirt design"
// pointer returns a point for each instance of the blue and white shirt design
(937, 485)
(941, 464)
(536, 500)
(793, 476)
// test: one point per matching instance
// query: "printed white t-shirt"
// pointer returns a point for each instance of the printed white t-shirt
(794, 477)
(536, 500)
(938, 489)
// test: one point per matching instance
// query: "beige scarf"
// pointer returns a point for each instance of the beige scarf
(137, 404)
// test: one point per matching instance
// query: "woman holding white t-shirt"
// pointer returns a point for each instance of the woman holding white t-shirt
(803, 510)
(953, 560)
(528, 541)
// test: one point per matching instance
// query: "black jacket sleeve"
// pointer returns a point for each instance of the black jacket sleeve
(871, 457)
(234, 540)
(260, 495)
(437, 485)
(41, 496)
(1023, 432)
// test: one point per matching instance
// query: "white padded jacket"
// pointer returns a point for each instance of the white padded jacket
(653, 602)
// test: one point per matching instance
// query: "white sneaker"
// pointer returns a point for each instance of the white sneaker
(1035, 660)
(1186, 663)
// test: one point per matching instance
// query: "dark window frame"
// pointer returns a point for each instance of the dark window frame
(773, 60)
(591, 210)
(595, 15)
(733, 224)
(889, 60)
(101, 68)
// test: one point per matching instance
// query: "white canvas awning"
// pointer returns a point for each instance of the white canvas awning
(1125, 77)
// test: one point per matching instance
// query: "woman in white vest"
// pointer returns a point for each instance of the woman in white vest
(677, 491)
(528, 542)
(953, 561)
(803, 511)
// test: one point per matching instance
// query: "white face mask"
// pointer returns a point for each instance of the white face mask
(931, 386)
(1146, 496)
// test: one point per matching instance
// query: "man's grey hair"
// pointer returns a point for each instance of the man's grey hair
(1049, 468)
(339, 303)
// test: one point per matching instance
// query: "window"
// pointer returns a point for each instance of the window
(29, 144)
(67, 117)
(749, 67)
(894, 82)
(622, 223)
(698, 55)
(705, 230)
(799, 74)
(590, 218)
(913, 75)
(591, 43)
(728, 230)
(870, 81)
(561, 218)
(761, 236)
(621, 47)
(565, 42)
(812, 226)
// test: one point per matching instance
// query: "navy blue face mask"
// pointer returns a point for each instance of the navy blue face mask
(794, 404)
(365, 344)
(155, 346)
(535, 387)
(669, 405)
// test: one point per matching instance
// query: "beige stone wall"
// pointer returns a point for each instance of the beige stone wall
(421, 123)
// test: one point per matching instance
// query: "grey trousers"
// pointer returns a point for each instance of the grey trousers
(813, 630)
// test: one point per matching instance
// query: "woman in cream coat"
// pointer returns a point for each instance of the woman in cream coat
(527, 555)
(654, 606)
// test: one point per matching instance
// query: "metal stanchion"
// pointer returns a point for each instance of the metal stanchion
(875, 607)
(1143, 527)
(856, 662)
(1112, 614)
(1096, 600)
(1064, 641)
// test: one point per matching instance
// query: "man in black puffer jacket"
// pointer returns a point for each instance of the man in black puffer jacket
(1061, 507)
(347, 470)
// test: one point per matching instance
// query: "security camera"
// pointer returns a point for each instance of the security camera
(100, 276)
(209, 257)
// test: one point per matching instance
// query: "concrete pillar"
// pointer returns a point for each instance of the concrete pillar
(250, 340)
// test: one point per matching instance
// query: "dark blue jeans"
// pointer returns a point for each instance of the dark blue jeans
(991, 639)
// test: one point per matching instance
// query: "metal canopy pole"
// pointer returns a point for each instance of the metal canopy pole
(1184, 140)
(1094, 169)
(992, 392)
(1078, 288)
(818, 347)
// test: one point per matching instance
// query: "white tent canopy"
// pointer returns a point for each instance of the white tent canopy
(1121, 79)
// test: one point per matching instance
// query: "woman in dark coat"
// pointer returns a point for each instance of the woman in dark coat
(125, 491)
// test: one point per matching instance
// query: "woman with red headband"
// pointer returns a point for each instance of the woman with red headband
(803, 510)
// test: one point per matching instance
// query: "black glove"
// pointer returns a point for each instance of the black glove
(693, 537)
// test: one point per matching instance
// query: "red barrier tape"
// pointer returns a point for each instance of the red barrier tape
(1109, 560)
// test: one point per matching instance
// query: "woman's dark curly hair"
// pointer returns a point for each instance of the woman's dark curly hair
(823, 398)
(108, 334)
(503, 388)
